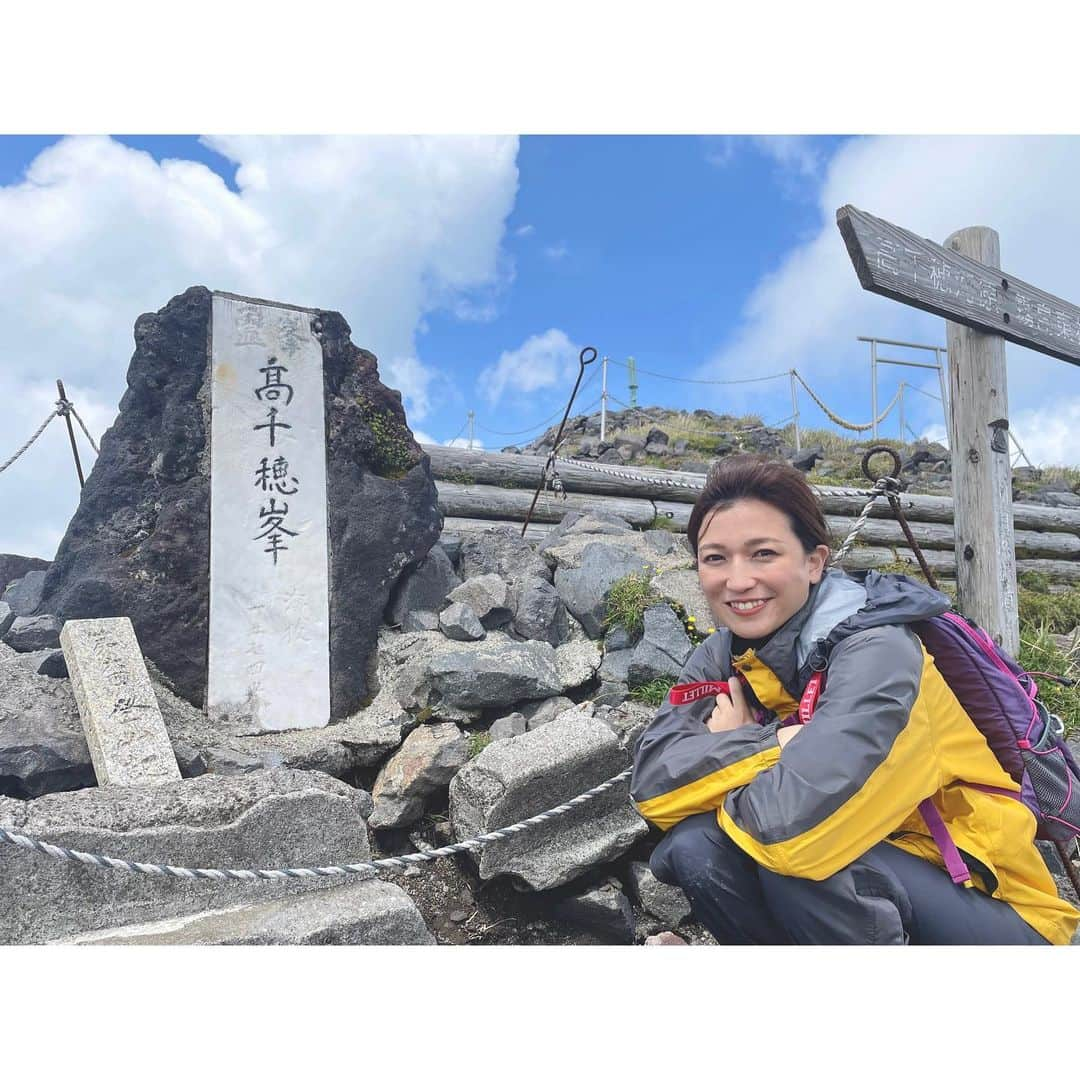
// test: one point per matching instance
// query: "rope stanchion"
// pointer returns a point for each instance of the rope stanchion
(402, 862)
(79, 420)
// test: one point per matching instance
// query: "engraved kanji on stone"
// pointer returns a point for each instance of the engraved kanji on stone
(250, 326)
(273, 423)
(275, 476)
(273, 385)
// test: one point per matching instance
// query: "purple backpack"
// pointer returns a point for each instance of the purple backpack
(1026, 738)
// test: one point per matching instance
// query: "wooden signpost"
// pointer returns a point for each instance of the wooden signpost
(964, 284)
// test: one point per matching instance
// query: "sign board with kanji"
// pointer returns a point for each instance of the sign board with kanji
(269, 642)
(896, 263)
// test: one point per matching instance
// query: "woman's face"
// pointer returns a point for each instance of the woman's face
(753, 569)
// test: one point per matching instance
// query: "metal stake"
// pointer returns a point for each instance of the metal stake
(71, 433)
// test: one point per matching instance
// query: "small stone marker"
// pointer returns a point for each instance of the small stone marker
(124, 729)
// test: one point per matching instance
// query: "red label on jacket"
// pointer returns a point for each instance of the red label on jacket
(695, 691)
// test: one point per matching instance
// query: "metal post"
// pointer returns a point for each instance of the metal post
(472, 422)
(901, 404)
(71, 434)
(633, 382)
(795, 410)
(603, 399)
(873, 386)
(944, 397)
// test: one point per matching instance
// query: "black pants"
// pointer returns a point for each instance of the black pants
(886, 897)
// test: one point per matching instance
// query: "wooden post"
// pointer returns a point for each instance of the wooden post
(982, 470)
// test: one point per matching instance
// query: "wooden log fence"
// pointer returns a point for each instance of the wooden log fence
(477, 489)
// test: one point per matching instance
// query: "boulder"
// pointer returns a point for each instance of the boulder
(459, 623)
(626, 719)
(29, 633)
(7, 617)
(615, 666)
(684, 588)
(424, 588)
(495, 673)
(488, 596)
(667, 902)
(506, 727)
(53, 664)
(427, 761)
(577, 662)
(539, 613)
(17, 566)
(664, 647)
(657, 435)
(538, 713)
(514, 779)
(356, 913)
(585, 590)
(138, 544)
(42, 744)
(603, 910)
(502, 551)
(24, 594)
(273, 818)
(804, 460)
(414, 621)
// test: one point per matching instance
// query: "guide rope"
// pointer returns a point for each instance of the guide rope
(839, 420)
(69, 407)
(704, 382)
(30, 442)
(401, 862)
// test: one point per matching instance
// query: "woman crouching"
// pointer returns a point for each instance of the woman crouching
(787, 834)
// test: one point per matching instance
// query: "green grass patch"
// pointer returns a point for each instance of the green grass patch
(1040, 652)
(477, 742)
(662, 521)
(1059, 612)
(653, 693)
(627, 601)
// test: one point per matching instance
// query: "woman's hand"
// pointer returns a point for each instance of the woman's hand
(730, 712)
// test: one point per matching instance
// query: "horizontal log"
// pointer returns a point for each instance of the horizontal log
(537, 530)
(472, 467)
(512, 504)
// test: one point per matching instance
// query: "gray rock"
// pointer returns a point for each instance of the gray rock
(416, 621)
(356, 913)
(807, 458)
(13, 567)
(603, 910)
(626, 719)
(662, 541)
(538, 713)
(616, 665)
(138, 544)
(577, 662)
(658, 449)
(611, 693)
(679, 446)
(663, 649)
(696, 465)
(42, 745)
(274, 818)
(426, 763)
(540, 615)
(495, 673)
(459, 623)
(618, 637)
(24, 594)
(684, 588)
(424, 588)
(54, 665)
(657, 435)
(517, 778)
(502, 551)
(666, 902)
(634, 445)
(451, 544)
(584, 591)
(488, 596)
(28, 633)
(7, 617)
(611, 457)
(506, 727)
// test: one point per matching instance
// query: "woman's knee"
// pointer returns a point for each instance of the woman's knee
(694, 844)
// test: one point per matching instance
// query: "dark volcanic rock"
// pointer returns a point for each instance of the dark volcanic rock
(24, 594)
(15, 566)
(138, 544)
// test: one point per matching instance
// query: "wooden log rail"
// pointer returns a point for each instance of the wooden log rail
(477, 489)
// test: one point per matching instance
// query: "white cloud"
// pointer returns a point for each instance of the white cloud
(525, 230)
(424, 438)
(383, 229)
(808, 312)
(477, 444)
(544, 360)
(556, 252)
(1050, 435)
(793, 152)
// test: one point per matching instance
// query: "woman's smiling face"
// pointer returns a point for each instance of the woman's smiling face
(753, 569)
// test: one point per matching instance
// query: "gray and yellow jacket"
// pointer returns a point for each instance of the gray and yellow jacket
(887, 733)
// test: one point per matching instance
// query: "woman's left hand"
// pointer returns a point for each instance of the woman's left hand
(730, 712)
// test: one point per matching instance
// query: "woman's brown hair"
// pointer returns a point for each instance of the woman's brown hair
(750, 476)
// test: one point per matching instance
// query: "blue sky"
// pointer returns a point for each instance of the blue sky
(477, 267)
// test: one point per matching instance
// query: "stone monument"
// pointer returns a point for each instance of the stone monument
(297, 553)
